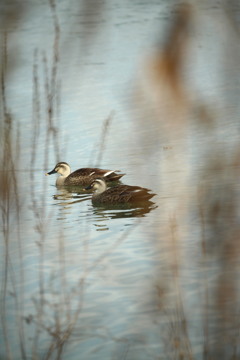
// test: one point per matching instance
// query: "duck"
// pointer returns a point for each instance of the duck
(119, 194)
(81, 176)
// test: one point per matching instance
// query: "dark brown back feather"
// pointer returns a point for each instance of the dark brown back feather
(123, 194)
(85, 175)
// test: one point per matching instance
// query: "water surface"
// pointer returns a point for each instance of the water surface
(85, 282)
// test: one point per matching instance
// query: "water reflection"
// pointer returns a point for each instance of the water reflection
(65, 194)
(117, 212)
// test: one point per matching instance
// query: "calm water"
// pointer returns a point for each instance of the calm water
(107, 284)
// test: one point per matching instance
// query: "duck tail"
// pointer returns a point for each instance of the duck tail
(112, 176)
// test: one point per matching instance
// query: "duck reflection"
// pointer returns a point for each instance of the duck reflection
(118, 212)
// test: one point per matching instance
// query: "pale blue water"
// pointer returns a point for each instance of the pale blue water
(104, 273)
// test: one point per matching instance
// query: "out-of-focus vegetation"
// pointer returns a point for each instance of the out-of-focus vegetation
(177, 119)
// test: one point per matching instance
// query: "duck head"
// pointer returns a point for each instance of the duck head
(98, 185)
(61, 168)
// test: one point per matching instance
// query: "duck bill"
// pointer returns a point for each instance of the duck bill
(51, 172)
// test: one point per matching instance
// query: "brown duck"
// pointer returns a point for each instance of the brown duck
(120, 194)
(82, 176)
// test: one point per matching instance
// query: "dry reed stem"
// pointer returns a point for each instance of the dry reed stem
(10, 209)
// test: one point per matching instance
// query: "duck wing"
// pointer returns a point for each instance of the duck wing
(79, 177)
(124, 194)
(85, 175)
(136, 194)
(109, 175)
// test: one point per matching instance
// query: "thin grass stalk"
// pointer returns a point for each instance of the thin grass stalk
(62, 271)
(205, 309)
(10, 201)
(5, 201)
(18, 285)
(177, 342)
(50, 93)
(105, 129)
(55, 88)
